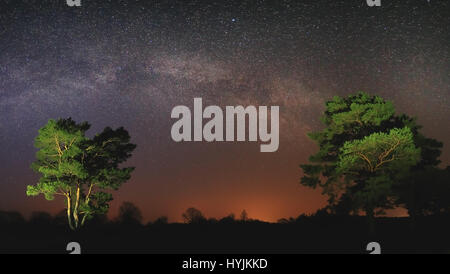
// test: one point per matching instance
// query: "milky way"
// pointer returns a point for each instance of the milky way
(128, 63)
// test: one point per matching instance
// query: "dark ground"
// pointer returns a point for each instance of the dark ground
(307, 235)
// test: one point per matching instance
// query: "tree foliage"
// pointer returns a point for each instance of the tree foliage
(193, 216)
(375, 162)
(79, 168)
(244, 216)
(425, 191)
(129, 214)
(365, 150)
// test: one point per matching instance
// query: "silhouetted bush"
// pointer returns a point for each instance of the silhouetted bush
(244, 216)
(129, 214)
(193, 216)
(228, 219)
(163, 220)
(11, 218)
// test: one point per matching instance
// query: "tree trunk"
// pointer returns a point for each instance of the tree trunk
(75, 210)
(86, 202)
(69, 212)
(84, 219)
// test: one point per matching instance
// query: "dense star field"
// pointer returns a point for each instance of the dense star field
(129, 63)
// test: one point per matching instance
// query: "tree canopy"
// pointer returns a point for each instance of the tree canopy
(79, 168)
(365, 151)
(193, 216)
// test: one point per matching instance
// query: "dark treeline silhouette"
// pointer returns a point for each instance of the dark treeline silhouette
(323, 231)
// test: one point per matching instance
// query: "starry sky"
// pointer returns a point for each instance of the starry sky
(128, 63)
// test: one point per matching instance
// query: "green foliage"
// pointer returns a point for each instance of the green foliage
(60, 145)
(365, 151)
(390, 152)
(346, 119)
(378, 160)
(80, 168)
(425, 191)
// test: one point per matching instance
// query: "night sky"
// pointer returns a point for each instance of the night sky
(128, 63)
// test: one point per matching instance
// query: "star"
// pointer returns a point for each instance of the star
(128, 65)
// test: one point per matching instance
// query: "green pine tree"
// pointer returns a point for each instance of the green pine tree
(79, 168)
(364, 150)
